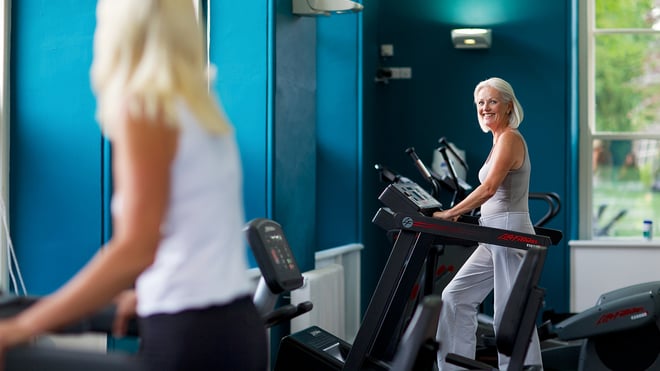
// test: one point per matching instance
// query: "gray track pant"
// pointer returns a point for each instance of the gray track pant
(489, 267)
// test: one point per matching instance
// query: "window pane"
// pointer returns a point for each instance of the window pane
(626, 13)
(627, 78)
(626, 186)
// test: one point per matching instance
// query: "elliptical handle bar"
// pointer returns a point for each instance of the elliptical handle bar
(387, 175)
(443, 142)
(458, 191)
(418, 162)
(554, 205)
(424, 171)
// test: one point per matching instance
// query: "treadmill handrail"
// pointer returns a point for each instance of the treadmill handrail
(470, 232)
(555, 235)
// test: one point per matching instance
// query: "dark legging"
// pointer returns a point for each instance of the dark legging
(227, 337)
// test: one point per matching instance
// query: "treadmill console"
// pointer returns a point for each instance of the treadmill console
(273, 254)
(409, 196)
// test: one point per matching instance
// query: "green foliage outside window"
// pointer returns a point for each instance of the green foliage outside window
(621, 65)
(625, 138)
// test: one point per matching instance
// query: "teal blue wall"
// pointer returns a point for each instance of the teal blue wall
(55, 170)
(339, 129)
(531, 49)
(240, 52)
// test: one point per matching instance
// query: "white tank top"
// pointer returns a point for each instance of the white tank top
(201, 259)
(512, 195)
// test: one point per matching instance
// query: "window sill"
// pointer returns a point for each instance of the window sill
(602, 265)
(616, 242)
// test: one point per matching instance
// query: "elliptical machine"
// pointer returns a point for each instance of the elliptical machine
(620, 332)
(279, 271)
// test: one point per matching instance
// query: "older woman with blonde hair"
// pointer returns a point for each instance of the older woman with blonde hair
(503, 199)
(177, 203)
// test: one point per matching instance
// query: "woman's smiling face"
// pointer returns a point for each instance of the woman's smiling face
(492, 111)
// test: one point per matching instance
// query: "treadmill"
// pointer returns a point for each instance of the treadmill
(407, 209)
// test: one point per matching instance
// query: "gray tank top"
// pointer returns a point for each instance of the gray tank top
(513, 193)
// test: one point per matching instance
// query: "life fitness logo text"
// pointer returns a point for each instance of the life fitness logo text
(634, 313)
(518, 238)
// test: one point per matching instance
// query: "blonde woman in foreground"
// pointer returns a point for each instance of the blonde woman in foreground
(177, 203)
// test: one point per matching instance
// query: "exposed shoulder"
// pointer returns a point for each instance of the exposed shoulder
(511, 139)
(511, 142)
(511, 135)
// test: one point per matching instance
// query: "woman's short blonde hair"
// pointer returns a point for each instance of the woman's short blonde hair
(505, 89)
(148, 55)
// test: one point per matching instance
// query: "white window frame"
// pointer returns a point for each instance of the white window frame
(5, 7)
(587, 103)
